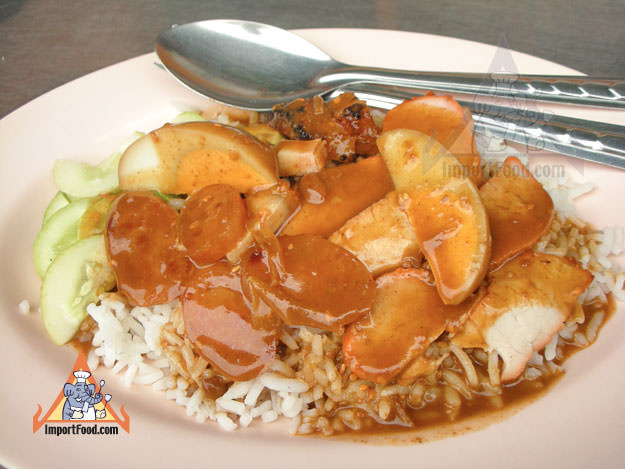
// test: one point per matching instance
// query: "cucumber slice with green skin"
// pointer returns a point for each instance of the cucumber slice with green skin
(58, 233)
(59, 201)
(75, 278)
(80, 179)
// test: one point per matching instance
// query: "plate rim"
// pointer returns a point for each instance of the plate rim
(375, 453)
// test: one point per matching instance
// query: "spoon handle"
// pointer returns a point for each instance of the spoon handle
(580, 90)
(587, 140)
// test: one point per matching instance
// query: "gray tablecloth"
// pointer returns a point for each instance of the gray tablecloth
(45, 43)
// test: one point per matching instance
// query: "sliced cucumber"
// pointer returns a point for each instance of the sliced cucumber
(59, 201)
(79, 179)
(84, 180)
(58, 233)
(75, 278)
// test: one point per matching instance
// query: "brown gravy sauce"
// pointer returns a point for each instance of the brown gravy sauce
(432, 421)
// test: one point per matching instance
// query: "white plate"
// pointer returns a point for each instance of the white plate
(579, 423)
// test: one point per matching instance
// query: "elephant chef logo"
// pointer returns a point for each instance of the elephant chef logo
(82, 399)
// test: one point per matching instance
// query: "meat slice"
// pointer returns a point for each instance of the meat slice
(519, 210)
(527, 302)
(407, 316)
(221, 326)
(332, 196)
(307, 281)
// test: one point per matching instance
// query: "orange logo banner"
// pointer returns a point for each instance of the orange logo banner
(79, 401)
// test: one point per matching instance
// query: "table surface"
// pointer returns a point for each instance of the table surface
(45, 43)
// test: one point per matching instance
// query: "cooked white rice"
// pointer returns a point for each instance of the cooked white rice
(127, 340)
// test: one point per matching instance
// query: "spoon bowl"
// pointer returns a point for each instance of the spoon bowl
(244, 64)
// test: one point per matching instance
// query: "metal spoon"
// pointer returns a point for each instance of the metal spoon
(256, 66)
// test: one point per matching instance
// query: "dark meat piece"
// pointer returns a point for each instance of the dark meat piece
(345, 123)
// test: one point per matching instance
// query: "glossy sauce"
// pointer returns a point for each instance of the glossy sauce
(153, 268)
(407, 316)
(452, 231)
(218, 322)
(434, 414)
(307, 280)
(433, 419)
(312, 189)
(304, 280)
(519, 210)
(443, 119)
(212, 221)
(334, 195)
(233, 314)
(532, 277)
(142, 243)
